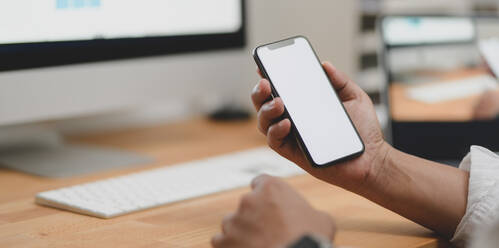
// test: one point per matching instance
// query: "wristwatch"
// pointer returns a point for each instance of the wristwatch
(311, 241)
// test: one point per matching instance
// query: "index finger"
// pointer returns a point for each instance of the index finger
(261, 94)
(259, 72)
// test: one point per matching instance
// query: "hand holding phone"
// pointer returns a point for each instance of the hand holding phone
(320, 123)
(347, 174)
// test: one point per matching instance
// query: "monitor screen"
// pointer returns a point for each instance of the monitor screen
(52, 32)
(414, 30)
(66, 20)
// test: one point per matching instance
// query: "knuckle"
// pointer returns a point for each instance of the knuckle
(272, 110)
(279, 102)
(264, 112)
(254, 93)
(273, 143)
(255, 101)
(246, 201)
(262, 129)
(257, 97)
(269, 183)
(227, 219)
(263, 183)
(277, 109)
(270, 132)
(227, 224)
(261, 123)
(214, 242)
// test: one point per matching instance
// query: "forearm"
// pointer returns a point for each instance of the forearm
(431, 194)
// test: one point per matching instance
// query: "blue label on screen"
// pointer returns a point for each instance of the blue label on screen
(77, 4)
(94, 3)
(62, 4)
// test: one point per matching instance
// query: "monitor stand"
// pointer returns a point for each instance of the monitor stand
(42, 152)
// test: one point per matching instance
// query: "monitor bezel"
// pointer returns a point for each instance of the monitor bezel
(46, 54)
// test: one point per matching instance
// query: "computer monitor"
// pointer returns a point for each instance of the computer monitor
(436, 86)
(41, 33)
(67, 58)
(57, 32)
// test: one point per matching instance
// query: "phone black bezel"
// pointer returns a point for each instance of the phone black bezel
(295, 132)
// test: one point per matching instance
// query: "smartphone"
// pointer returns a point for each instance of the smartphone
(320, 123)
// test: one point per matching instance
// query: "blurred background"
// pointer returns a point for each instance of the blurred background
(83, 66)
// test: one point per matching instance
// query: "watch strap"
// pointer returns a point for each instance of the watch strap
(311, 241)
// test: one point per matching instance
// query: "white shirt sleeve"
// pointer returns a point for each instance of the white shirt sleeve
(482, 209)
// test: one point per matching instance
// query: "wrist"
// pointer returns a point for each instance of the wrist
(375, 180)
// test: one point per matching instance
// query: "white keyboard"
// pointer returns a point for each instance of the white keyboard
(121, 195)
(489, 49)
(450, 90)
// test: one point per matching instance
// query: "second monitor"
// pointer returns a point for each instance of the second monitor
(440, 92)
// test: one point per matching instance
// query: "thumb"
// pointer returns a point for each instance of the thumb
(344, 86)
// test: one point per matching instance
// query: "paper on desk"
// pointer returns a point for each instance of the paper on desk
(490, 51)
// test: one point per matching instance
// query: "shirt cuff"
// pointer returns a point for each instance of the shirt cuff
(483, 193)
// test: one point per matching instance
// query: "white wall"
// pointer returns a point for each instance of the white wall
(164, 88)
(426, 6)
(331, 26)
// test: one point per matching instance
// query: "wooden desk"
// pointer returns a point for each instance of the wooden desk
(403, 108)
(189, 223)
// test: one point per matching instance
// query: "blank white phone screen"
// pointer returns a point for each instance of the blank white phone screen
(316, 111)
